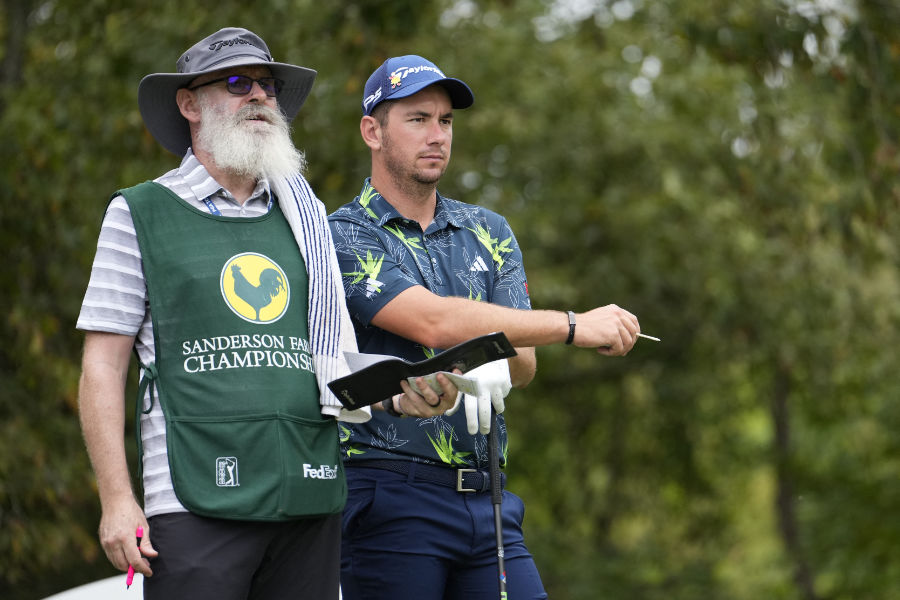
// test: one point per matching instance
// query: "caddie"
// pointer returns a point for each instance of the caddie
(236, 333)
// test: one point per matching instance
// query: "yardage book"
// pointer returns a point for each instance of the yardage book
(381, 379)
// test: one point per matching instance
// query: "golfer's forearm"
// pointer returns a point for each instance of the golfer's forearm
(523, 328)
(441, 322)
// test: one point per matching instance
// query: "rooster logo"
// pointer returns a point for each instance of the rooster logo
(255, 288)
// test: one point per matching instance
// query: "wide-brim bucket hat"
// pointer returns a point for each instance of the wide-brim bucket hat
(225, 49)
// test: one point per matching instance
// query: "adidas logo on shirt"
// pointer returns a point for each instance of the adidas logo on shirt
(478, 265)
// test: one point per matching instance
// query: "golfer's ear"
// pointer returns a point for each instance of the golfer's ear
(188, 105)
(370, 129)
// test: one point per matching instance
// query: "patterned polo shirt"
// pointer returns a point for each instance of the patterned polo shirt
(467, 251)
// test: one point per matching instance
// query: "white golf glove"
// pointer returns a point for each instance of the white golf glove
(493, 386)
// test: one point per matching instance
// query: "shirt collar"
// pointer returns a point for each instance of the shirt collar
(203, 185)
(382, 212)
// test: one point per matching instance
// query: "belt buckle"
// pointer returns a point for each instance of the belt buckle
(459, 480)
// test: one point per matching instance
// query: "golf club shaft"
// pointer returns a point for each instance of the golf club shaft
(497, 500)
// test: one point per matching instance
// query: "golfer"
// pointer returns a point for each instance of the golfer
(422, 273)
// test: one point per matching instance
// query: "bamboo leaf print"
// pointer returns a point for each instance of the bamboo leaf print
(444, 448)
(354, 450)
(369, 269)
(496, 249)
(410, 242)
(365, 198)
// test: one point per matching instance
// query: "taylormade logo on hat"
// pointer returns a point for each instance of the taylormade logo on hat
(397, 76)
(218, 45)
(231, 45)
(403, 76)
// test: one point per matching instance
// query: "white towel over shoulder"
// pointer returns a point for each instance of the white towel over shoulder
(330, 329)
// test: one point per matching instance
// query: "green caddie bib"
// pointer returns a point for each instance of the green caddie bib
(233, 373)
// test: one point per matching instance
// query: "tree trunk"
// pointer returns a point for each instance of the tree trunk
(784, 501)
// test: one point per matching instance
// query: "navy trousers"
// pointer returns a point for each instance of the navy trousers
(404, 538)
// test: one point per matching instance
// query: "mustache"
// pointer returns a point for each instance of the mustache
(258, 113)
(440, 153)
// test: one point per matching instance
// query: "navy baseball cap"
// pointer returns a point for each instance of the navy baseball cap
(403, 76)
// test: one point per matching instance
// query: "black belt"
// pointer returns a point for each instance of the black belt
(463, 480)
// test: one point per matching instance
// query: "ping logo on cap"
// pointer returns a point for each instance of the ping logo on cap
(372, 98)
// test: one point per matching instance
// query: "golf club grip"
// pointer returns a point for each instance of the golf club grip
(494, 458)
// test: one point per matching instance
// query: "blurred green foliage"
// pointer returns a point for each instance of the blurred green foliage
(726, 170)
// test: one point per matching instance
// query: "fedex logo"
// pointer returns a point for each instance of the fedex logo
(323, 472)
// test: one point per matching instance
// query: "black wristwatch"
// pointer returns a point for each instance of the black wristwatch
(571, 337)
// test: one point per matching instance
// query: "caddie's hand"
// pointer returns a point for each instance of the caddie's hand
(610, 329)
(426, 402)
(118, 524)
(493, 386)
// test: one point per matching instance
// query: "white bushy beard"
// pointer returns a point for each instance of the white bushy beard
(246, 147)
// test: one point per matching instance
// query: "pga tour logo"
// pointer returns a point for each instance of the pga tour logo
(323, 472)
(227, 471)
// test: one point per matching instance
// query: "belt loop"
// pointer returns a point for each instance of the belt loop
(411, 477)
